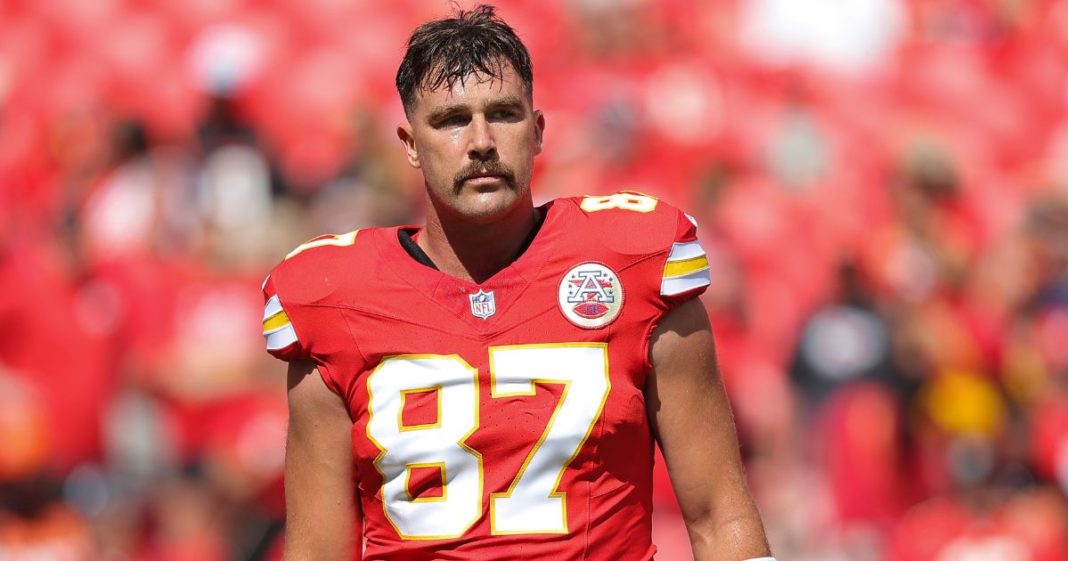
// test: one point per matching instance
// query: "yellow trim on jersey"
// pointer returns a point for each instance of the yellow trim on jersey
(408, 482)
(277, 321)
(685, 266)
(401, 427)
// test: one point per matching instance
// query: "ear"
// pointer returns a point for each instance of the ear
(539, 129)
(404, 133)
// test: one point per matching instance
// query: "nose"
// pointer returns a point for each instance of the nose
(482, 145)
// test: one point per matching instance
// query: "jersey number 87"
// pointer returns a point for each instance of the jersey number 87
(531, 504)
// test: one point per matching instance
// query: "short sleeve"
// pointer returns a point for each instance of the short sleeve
(278, 331)
(685, 273)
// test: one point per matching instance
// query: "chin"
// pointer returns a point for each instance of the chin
(486, 207)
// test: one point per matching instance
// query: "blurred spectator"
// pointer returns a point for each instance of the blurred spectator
(35, 523)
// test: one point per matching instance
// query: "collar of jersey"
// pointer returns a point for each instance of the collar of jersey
(508, 284)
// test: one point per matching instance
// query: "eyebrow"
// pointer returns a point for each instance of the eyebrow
(507, 101)
(442, 112)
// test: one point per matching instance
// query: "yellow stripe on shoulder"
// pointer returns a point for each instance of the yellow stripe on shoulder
(338, 240)
(685, 266)
(275, 322)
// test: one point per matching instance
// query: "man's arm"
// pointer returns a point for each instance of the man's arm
(691, 419)
(322, 521)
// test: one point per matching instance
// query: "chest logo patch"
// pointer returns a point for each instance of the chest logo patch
(590, 295)
(482, 304)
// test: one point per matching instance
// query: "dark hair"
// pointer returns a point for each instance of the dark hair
(443, 51)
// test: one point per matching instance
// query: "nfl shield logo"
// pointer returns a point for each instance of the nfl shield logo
(482, 304)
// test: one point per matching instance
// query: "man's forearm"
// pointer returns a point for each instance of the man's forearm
(732, 539)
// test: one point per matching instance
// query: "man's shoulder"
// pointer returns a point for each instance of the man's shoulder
(627, 222)
(319, 267)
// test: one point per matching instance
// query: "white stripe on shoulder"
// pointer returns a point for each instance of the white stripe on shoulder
(272, 307)
(281, 337)
(685, 250)
(691, 219)
(677, 285)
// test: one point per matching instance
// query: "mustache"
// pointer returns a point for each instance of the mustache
(477, 169)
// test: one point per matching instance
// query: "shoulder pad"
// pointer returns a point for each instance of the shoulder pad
(315, 269)
(631, 223)
(637, 224)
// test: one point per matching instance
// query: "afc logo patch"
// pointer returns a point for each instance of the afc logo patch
(590, 295)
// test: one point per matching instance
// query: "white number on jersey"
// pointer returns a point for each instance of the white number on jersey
(636, 202)
(531, 504)
(336, 240)
(441, 444)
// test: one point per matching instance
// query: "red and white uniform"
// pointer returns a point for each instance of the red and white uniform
(504, 419)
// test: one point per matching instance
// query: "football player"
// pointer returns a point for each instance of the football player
(491, 385)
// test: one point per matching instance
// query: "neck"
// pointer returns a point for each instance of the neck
(474, 251)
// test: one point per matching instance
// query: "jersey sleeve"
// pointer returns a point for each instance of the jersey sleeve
(278, 330)
(685, 273)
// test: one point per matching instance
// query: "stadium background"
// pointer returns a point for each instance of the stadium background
(882, 187)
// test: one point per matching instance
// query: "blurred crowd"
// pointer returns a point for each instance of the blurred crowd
(882, 188)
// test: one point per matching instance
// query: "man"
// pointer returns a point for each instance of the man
(489, 386)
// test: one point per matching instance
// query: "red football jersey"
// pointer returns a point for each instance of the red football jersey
(504, 419)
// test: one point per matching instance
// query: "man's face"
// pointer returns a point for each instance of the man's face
(475, 143)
